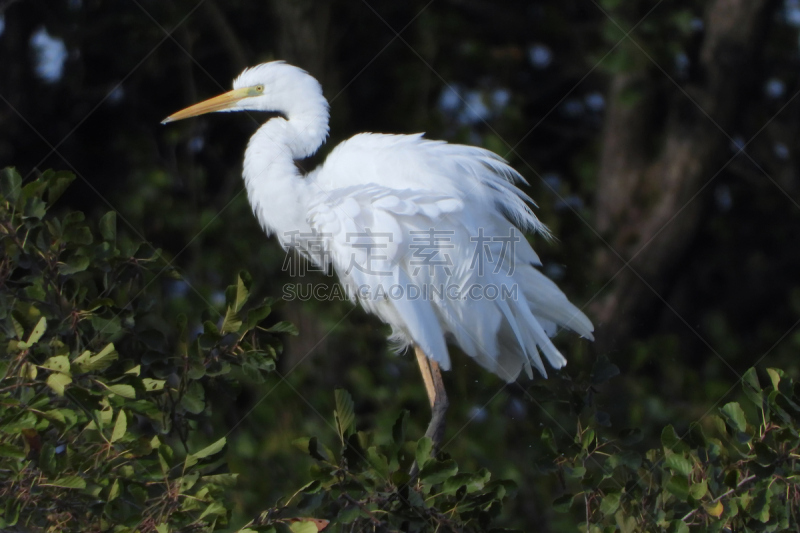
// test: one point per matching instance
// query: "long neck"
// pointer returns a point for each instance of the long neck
(277, 191)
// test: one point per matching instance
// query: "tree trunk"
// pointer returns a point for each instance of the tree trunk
(649, 176)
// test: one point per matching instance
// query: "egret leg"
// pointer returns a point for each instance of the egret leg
(434, 386)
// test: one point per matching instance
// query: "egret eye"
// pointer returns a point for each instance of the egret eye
(260, 88)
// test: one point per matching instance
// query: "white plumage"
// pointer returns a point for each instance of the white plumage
(404, 211)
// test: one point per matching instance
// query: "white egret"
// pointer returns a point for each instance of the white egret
(423, 233)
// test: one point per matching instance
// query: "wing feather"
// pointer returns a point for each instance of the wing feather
(371, 225)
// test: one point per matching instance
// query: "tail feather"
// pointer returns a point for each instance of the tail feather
(540, 339)
(524, 354)
(548, 302)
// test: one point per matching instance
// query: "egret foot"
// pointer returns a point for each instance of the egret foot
(434, 386)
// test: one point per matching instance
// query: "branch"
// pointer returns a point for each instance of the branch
(364, 508)
(718, 498)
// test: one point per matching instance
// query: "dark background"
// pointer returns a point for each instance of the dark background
(658, 139)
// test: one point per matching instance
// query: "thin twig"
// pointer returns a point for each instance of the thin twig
(586, 505)
(718, 498)
(364, 508)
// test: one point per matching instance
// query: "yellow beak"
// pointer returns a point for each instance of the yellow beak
(218, 103)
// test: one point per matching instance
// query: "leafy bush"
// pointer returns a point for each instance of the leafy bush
(736, 470)
(101, 393)
(368, 487)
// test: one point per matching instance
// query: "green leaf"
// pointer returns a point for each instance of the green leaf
(58, 363)
(760, 508)
(19, 331)
(731, 479)
(548, 439)
(317, 451)
(679, 463)
(424, 449)
(227, 480)
(10, 184)
(214, 508)
(378, 462)
(735, 415)
(194, 398)
(670, 439)
(37, 333)
(775, 375)
(344, 414)
(188, 481)
(108, 327)
(65, 417)
(679, 486)
(114, 491)
(252, 373)
(86, 362)
(574, 472)
(108, 226)
(67, 482)
(472, 482)
(563, 503)
(26, 421)
(679, 526)
(231, 323)
(237, 295)
(120, 427)
(35, 208)
(79, 234)
(58, 183)
(75, 264)
(126, 391)
(610, 503)
(698, 490)
(284, 327)
(210, 329)
(303, 527)
(436, 472)
(211, 449)
(58, 382)
(588, 438)
(751, 386)
(153, 384)
(9, 450)
(626, 524)
(714, 509)
(789, 407)
(765, 456)
(399, 429)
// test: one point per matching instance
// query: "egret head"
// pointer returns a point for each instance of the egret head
(275, 86)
